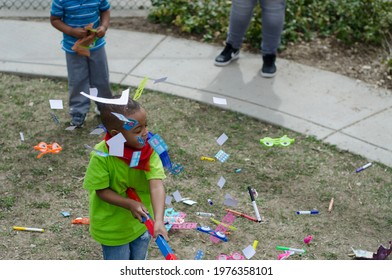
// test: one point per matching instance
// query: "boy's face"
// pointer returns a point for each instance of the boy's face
(134, 135)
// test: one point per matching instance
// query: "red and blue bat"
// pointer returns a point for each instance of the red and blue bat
(149, 223)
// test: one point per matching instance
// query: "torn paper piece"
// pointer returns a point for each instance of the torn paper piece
(94, 92)
(135, 159)
(160, 80)
(222, 156)
(123, 100)
(363, 254)
(188, 201)
(116, 145)
(65, 214)
(140, 89)
(176, 168)
(97, 131)
(230, 201)
(128, 123)
(222, 139)
(177, 196)
(221, 182)
(168, 199)
(220, 101)
(100, 153)
(72, 127)
(249, 252)
(158, 144)
(121, 117)
(21, 136)
(56, 104)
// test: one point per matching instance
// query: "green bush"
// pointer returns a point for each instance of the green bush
(349, 20)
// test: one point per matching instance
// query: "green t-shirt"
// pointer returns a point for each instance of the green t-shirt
(109, 224)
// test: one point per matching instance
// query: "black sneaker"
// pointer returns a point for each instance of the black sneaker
(269, 68)
(78, 120)
(227, 55)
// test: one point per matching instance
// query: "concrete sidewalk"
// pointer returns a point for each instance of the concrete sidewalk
(338, 110)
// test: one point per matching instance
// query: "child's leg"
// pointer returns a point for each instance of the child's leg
(121, 252)
(99, 73)
(78, 80)
(139, 247)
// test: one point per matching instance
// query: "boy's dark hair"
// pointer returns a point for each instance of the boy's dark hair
(109, 120)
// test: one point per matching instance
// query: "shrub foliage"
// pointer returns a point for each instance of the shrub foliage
(367, 21)
(351, 21)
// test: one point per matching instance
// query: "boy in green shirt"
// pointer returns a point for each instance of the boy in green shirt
(115, 220)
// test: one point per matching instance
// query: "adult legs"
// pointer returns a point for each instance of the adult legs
(240, 15)
(272, 18)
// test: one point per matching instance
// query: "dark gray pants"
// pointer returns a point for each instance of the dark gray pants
(272, 18)
(85, 73)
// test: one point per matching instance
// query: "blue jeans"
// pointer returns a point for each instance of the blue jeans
(272, 19)
(135, 250)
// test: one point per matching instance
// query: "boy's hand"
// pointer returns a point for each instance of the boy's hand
(79, 33)
(138, 210)
(101, 31)
(160, 229)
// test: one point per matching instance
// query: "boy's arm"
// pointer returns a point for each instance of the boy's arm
(104, 23)
(138, 209)
(61, 26)
(157, 193)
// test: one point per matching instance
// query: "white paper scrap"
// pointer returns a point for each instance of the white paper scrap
(21, 136)
(94, 92)
(222, 139)
(56, 104)
(97, 131)
(168, 199)
(70, 127)
(100, 153)
(116, 145)
(221, 182)
(120, 117)
(177, 196)
(230, 201)
(123, 100)
(249, 252)
(188, 201)
(220, 101)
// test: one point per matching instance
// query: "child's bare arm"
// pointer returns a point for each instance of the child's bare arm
(104, 23)
(157, 193)
(138, 209)
(61, 26)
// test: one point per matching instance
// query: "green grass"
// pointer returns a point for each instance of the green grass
(302, 176)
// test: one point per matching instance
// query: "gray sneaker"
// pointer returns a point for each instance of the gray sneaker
(78, 120)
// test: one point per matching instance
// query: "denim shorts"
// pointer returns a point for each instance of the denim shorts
(135, 250)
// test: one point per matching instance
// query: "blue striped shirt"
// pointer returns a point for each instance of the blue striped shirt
(79, 13)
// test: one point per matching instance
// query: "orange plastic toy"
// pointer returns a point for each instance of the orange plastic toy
(81, 221)
(47, 148)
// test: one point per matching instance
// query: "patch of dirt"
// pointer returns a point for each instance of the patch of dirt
(361, 62)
